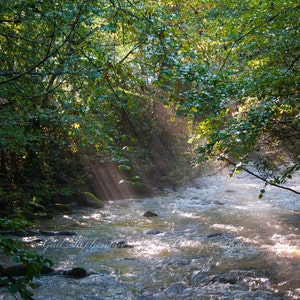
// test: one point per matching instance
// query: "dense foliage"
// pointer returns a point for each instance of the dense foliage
(31, 262)
(252, 99)
(88, 82)
(72, 91)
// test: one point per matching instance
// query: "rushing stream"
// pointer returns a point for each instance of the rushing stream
(215, 240)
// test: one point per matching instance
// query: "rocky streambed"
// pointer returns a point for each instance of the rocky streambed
(212, 240)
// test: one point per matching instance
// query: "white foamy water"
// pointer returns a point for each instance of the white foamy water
(213, 240)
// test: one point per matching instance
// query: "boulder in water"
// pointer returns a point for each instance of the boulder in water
(76, 273)
(16, 270)
(143, 190)
(154, 231)
(19, 270)
(150, 214)
(225, 278)
(217, 202)
(46, 270)
(90, 200)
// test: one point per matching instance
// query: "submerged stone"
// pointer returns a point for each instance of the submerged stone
(212, 235)
(154, 231)
(217, 202)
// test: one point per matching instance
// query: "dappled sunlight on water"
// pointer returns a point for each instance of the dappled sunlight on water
(216, 240)
(227, 228)
(153, 249)
(285, 246)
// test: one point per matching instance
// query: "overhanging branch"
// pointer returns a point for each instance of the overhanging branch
(268, 182)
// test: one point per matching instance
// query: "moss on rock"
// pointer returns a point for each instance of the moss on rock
(90, 200)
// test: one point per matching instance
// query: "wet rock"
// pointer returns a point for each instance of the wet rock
(35, 207)
(143, 190)
(154, 231)
(197, 183)
(26, 233)
(56, 233)
(46, 270)
(220, 236)
(212, 235)
(66, 233)
(245, 277)
(47, 233)
(226, 278)
(217, 202)
(7, 232)
(43, 216)
(19, 270)
(150, 214)
(120, 244)
(89, 200)
(60, 207)
(76, 273)
(16, 270)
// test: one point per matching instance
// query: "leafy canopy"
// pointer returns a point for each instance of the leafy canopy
(81, 82)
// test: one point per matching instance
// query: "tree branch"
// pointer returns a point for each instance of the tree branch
(250, 31)
(292, 64)
(12, 280)
(49, 54)
(130, 52)
(268, 182)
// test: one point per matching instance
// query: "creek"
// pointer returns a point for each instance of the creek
(212, 240)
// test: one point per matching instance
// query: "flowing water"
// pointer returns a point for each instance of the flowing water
(214, 240)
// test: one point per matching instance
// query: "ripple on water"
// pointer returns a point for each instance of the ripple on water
(214, 241)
